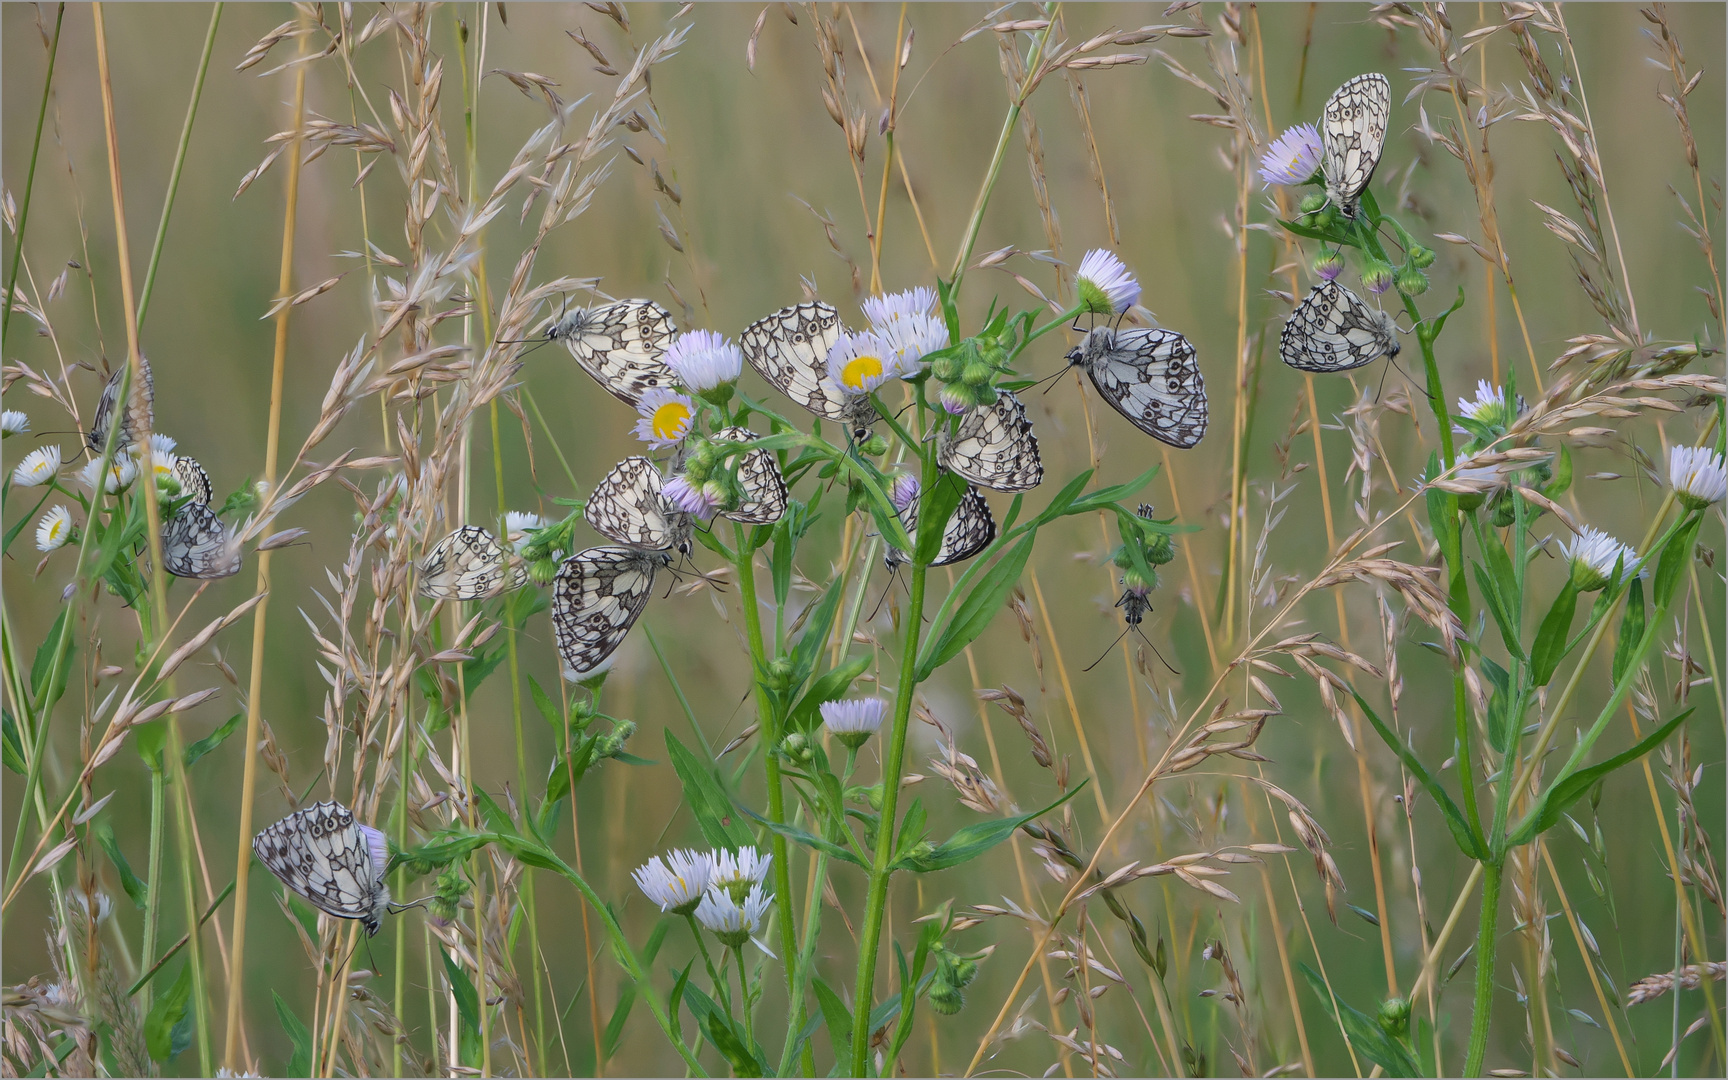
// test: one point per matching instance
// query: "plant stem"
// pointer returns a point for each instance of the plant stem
(30, 178)
(1487, 938)
(153, 884)
(714, 979)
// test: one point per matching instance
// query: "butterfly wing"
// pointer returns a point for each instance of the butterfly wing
(1152, 377)
(994, 447)
(469, 564)
(596, 599)
(1353, 129)
(195, 544)
(192, 478)
(970, 529)
(1334, 330)
(764, 488)
(321, 854)
(621, 345)
(627, 507)
(138, 414)
(790, 349)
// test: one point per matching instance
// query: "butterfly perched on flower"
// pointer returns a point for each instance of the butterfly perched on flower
(1150, 376)
(195, 544)
(135, 418)
(1333, 329)
(970, 529)
(331, 860)
(758, 473)
(623, 345)
(1353, 131)
(628, 506)
(790, 349)
(994, 447)
(469, 564)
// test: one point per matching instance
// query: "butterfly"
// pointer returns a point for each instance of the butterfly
(1353, 129)
(764, 488)
(969, 531)
(195, 544)
(1152, 377)
(334, 862)
(1335, 330)
(790, 349)
(627, 507)
(596, 599)
(994, 447)
(620, 344)
(139, 411)
(469, 564)
(192, 478)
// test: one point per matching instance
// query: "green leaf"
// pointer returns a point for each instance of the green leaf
(1550, 646)
(977, 610)
(974, 840)
(707, 800)
(12, 745)
(1499, 705)
(816, 629)
(1104, 496)
(935, 507)
(835, 1013)
(166, 1014)
(547, 707)
(799, 836)
(830, 685)
(1463, 833)
(911, 827)
(1064, 499)
(1631, 629)
(1562, 477)
(148, 740)
(45, 657)
(213, 740)
(1364, 1034)
(300, 1060)
(1492, 600)
(1568, 788)
(720, 1031)
(467, 1007)
(135, 888)
(1676, 555)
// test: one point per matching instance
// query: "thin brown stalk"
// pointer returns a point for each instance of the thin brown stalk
(1068, 696)
(1584, 958)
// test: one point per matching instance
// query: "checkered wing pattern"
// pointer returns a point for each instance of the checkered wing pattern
(994, 447)
(1353, 130)
(1335, 330)
(326, 857)
(790, 349)
(596, 599)
(136, 417)
(764, 488)
(627, 507)
(621, 345)
(469, 564)
(1150, 376)
(195, 544)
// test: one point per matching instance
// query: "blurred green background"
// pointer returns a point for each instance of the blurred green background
(747, 149)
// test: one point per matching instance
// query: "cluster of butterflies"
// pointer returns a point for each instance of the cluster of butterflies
(195, 542)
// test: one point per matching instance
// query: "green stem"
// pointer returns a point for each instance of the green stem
(1487, 939)
(1063, 319)
(714, 978)
(30, 178)
(806, 957)
(876, 901)
(153, 883)
(744, 1001)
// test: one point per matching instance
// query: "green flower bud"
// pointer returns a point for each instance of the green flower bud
(876, 447)
(976, 374)
(613, 745)
(1502, 512)
(1412, 282)
(945, 368)
(944, 998)
(447, 894)
(1420, 257)
(780, 673)
(1312, 202)
(796, 747)
(1377, 277)
(1395, 1017)
(542, 571)
(1328, 265)
(1160, 549)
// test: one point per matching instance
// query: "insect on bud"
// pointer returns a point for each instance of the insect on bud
(1312, 202)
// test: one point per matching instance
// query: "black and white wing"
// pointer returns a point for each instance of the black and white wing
(764, 488)
(192, 478)
(994, 447)
(137, 416)
(621, 345)
(333, 861)
(970, 529)
(790, 349)
(469, 564)
(626, 506)
(195, 544)
(1152, 377)
(1335, 330)
(1353, 130)
(596, 598)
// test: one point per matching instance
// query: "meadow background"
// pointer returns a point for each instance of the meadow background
(757, 162)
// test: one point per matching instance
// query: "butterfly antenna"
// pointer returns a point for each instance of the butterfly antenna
(1407, 376)
(1158, 654)
(1106, 652)
(887, 587)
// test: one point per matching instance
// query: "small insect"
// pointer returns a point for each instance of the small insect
(469, 564)
(1134, 605)
(596, 598)
(790, 349)
(620, 344)
(764, 488)
(994, 447)
(192, 478)
(332, 861)
(1150, 376)
(1353, 129)
(969, 531)
(1335, 330)
(627, 507)
(139, 411)
(195, 544)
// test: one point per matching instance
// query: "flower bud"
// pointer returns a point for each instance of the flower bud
(945, 998)
(1377, 276)
(1159, 549)
(876, 447)
(946, 368)
(1312, 202)
(1412, 282)
(1395, 1016)
(796, 747)
(1420, 257)
(542, 571)
(1328, 265)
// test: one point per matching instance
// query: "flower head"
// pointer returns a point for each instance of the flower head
(1328, 265)
(1293, 158)
(737, 871)
(1378, 277)
(666, 417)
(855, 719)
(1103, 285)
(956, 399)
(161, 459)
(704, 360)
(904, 492)
(1490, 404)
(732, 919)
(517, 526)
(910, 305)
(38, 467)
(13, 422)
(693, 499)
(861, 362)
(54, 530)
(121, 472)
(907, 328)
(1697, 474)
(162, 444)
(1593, 557)
(676, 881)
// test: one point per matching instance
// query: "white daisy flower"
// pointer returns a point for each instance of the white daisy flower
(854, 720)
(121, 472)
(666, 416)
(13, 422)
(693, 499)
(704, 360)
(161, 443)
(861, 362)
(1489, 406)
(676, 881)
(54, 530)
(885, 311)
(737, 871)
(908, 328)
(1103, 285)
(162, 457)
(1593, 556)
(1697, 475)
(38, 467)
(729, 919)
(517, 526)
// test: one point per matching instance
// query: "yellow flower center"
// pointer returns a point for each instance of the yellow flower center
(858, 370)
(670, 420)
(57, 529)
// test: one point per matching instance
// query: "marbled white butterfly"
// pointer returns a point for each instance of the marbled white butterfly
(994, 447)
(334, 862)
(1353, 129)
(137, 416)
(195, 544)
(1152, 377)
(469, 564)
(970, 529)
(790, 349)
(1335, 330)
(621, 345)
